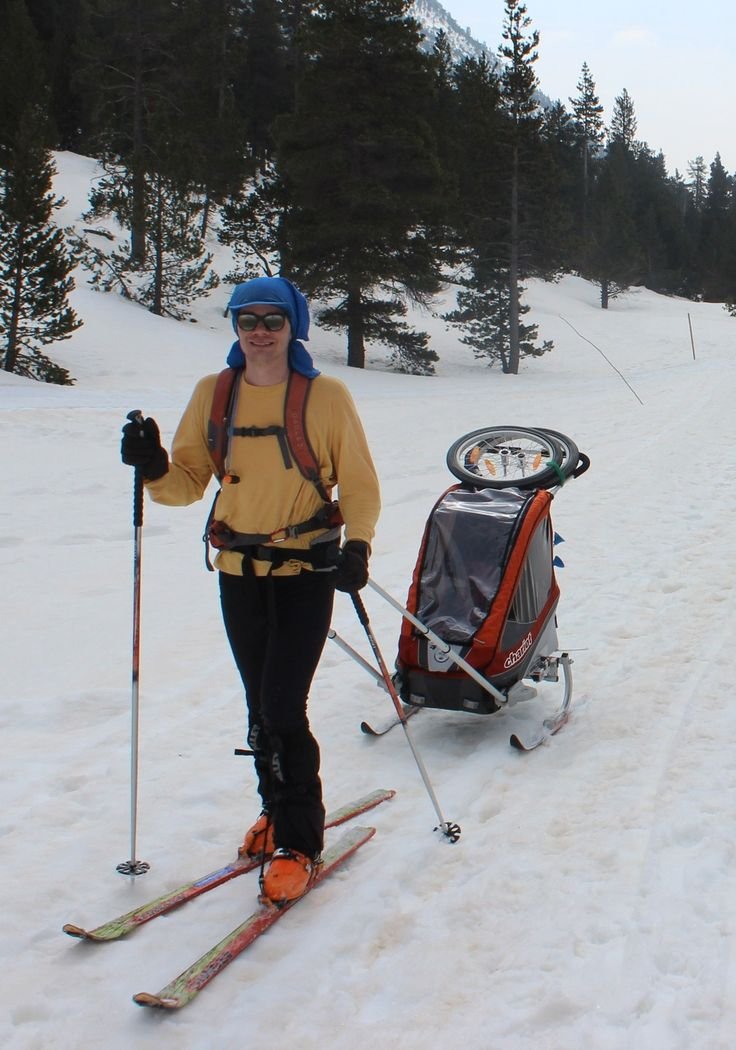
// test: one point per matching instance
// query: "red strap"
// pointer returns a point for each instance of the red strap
(295, 408)
(220, 412)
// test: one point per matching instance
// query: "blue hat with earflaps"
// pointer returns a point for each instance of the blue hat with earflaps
(274, 291)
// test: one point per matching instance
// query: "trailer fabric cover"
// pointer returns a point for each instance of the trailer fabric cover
(470, 536)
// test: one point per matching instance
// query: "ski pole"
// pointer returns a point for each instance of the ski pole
(347, 648)
(133, 866)
(440, 646)
(450, 831)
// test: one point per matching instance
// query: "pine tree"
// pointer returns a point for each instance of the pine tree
(124, 72)
(623, 122)
(518, 88)
(443, 67)
(262, 81)
(57, 26)
(697, 171)
(622, 229)
(590, 133)
(552, 239)
(484, 316)
(22, 75)
(158, 119)
(250, 225)
(206, 130)
(718, 236)
(177, 266)
(475, 146)
(35, 262)
(658, 215)
(359, 164)
(143, 113)
(478, 145)
(613, 255)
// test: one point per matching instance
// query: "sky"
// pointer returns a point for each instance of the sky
(590, 902)
(674, 57)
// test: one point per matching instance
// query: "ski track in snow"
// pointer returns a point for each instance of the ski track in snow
(589, 902)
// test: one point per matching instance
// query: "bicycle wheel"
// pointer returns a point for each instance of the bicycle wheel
(507, 457)
(570, 451)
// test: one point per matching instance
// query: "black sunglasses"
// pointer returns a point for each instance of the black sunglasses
(271, 322)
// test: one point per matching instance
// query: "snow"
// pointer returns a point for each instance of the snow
(590, 900)
(433, 17)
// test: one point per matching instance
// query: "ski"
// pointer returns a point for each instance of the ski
(124, 924)
(183, 988)
(390, 723)
(549, 728)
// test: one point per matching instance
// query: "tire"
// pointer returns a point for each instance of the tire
(509, 457)
(570, 451)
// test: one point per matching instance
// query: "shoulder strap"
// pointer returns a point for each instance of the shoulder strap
(220, 413)
(295, 409)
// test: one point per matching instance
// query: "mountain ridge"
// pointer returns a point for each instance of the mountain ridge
(433, 17)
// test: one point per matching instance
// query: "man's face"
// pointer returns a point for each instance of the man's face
(263, 344)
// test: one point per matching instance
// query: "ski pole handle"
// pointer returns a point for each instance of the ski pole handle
(136, 416)
(360, 608)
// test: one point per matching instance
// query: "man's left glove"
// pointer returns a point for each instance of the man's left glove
(352, 566)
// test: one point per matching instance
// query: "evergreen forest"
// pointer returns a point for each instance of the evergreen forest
(326, 142)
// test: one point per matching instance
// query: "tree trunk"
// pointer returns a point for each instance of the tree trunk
(206, 214)
(138, 166)
(604, 293)
(11, 355)
(356, 334)
(138, 216)
(514, 351)
(586, 192)
(157, 306)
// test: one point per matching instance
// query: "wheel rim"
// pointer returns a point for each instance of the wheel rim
(505, 456)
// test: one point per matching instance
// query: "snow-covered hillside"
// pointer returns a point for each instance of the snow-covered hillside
(589, 904)
(434, 17)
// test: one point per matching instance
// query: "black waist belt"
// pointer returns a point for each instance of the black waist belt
(321, 556)
(223, 537)
(220, 536)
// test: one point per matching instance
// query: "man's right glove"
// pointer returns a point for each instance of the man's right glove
(352, 566)
(141, 448)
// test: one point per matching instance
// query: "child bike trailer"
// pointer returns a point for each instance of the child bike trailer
(480, 629)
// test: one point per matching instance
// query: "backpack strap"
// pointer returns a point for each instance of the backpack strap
(293, 442)
(218, 425)
(295, 410)
(292, 437)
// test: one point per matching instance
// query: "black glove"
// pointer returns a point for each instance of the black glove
(141, 448)
(352, 566)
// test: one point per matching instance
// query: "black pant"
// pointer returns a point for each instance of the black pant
(277, 626)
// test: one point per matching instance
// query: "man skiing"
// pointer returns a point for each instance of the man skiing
(277, 534)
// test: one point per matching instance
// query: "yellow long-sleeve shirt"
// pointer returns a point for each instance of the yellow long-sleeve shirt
(268, 496)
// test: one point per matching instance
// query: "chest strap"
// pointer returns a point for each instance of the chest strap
(292, 436)
(295, 448)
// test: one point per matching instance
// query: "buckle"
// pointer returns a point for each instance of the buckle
(282, 534)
